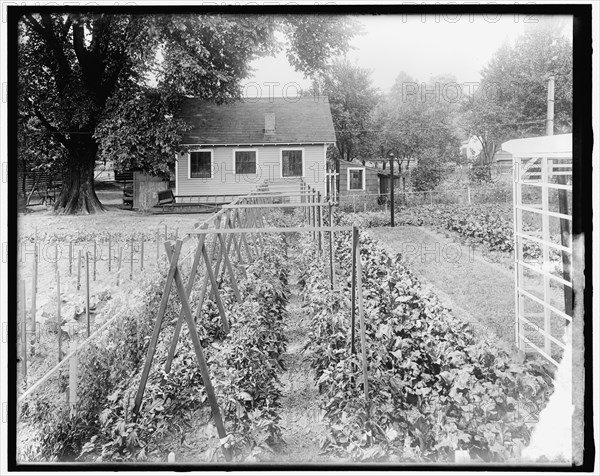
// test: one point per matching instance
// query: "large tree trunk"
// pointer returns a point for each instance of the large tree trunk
(78, 194)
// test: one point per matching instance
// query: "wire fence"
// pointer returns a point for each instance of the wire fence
(357, 202)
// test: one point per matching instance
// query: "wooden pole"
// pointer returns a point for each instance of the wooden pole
(392, 223)
(320, 221)
(190, 284)
(95, 258)
(361, 315)
(79, 270)
(73, 382)
(131, 261)
(353, 291)
(87, 291)
(119, 266)
(563, 208)
(109, 252)
(187, 312)
(58, 317)
(70, 258)
(166, 235)
(157, 245)
(23, 333)
(34, 299)
(331, 238)
(174, 257)
(142, 253)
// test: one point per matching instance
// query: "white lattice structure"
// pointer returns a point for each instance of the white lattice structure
(542, 214)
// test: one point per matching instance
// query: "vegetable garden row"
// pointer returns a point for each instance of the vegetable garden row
(433, 387)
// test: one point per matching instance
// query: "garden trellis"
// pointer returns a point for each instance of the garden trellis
(542, 189)
(237, 232)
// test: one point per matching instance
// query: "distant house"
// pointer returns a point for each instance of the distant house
(233, 148)
(470, 148)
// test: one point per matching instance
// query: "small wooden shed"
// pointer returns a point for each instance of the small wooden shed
(362, 183)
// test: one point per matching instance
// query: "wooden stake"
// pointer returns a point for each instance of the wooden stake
(213, 282)
(187, 312)
(192, 278)
(95, 258)
(157, 245)
(119, 265)
(361, 315)
(23, 333)
(331, 238)
(78, 270)
(87, 291)
(353, 299)
(157, 325)
(58, 317)
(34, 299)
(109, 253)
(166, 235)
(320, 222)
(73, 382)
(131, 261)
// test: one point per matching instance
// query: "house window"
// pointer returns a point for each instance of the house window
(356, 178)
(245, 161)
(200, 164)
(292, 163)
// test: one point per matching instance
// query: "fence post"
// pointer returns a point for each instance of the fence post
(87, 291)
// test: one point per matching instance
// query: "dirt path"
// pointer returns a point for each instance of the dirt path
(300, 413)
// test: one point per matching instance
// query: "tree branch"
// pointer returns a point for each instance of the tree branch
(45, 28)
(49, 127)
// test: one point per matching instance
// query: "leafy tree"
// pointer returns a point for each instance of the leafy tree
(511, 99)
(107, 86)
(418, 121)
(352, 99)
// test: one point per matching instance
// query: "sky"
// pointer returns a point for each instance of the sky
(421, 45)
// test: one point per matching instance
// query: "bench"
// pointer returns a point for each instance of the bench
(167, 202)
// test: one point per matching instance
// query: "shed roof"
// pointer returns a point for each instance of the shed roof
(297, 121)
(543, 146)
(370, 167)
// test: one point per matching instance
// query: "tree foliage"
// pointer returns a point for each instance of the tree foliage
(511, 101)
(352, 99)
(100, 86)
(418, 121)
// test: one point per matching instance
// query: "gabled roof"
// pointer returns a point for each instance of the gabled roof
(297, 121)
